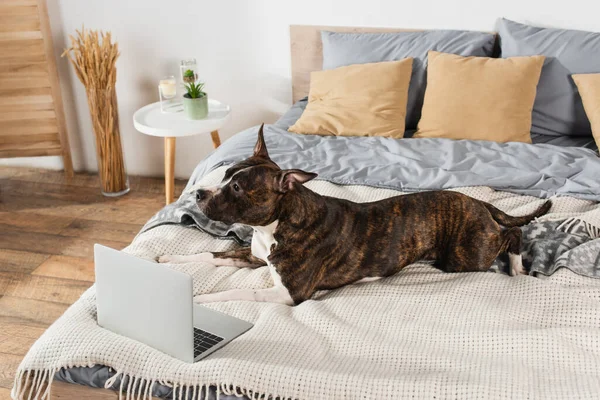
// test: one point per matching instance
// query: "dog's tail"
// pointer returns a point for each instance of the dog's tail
(509, 221)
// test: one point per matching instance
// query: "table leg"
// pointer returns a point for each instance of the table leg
(215, 139)
(169, 169)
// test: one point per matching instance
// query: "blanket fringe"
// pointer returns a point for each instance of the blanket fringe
(111, 381)
(573, 224)
(33, 384)
(121, 387)
(37, 384)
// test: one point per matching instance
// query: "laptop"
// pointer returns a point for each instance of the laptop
(154, 304)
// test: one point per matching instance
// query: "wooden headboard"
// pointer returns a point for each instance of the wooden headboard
(307, 51)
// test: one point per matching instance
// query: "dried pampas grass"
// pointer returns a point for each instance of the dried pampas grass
(94, 57)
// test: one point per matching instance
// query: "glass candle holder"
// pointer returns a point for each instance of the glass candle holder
(189, 71)
(167, 92)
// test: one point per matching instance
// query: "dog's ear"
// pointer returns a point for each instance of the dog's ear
(260, 148)
(285, 180)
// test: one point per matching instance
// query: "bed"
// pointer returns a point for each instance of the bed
(445, 335)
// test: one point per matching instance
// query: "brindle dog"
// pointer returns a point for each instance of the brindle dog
(313, 242)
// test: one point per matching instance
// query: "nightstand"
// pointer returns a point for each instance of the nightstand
(151, 121)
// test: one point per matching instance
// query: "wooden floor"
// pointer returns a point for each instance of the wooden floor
(48, 227)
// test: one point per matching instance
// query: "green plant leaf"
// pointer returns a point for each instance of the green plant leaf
(194, 90)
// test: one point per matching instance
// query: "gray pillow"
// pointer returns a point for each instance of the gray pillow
(340, 49)
(558, 109)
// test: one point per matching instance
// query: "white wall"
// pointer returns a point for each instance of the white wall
(242, 48)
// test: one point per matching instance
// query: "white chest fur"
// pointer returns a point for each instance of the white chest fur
(262, 240)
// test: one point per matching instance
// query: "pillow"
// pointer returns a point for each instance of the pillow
(340, 49)
(479, 98)
(558, 109)
(589, 88)
(358, 100)
(292, 115)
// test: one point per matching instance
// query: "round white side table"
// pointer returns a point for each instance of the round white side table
(151, 121)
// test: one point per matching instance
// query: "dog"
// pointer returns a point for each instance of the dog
(312, 242)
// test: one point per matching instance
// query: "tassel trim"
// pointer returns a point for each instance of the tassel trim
(37, 385)
(574, 224)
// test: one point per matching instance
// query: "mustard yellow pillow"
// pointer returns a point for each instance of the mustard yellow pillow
(357, 100)
(589, 89)
(479, 98)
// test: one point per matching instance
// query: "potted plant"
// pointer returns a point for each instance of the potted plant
(195, 101)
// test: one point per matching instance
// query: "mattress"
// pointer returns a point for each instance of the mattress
(98, 375)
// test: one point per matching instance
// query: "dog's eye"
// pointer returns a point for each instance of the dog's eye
(236, 187)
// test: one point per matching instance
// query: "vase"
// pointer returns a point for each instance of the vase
(188, 77)
(109, 148)
(195, 108)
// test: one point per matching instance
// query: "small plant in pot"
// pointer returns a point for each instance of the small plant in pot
(195, 101)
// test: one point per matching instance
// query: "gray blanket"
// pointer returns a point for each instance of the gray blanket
(540, 170)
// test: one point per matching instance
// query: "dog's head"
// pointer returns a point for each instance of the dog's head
(251, 190)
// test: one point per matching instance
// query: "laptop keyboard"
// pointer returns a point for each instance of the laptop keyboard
(204, 341)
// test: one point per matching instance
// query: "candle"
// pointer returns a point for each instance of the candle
(168, 87)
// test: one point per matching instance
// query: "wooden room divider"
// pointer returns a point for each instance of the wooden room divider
(32, 120)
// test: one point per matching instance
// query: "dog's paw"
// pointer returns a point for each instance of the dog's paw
(204, 298)
(516, 267)
(517, 271)
(171, 259)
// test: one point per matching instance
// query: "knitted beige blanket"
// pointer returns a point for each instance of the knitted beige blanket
(421, 334)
